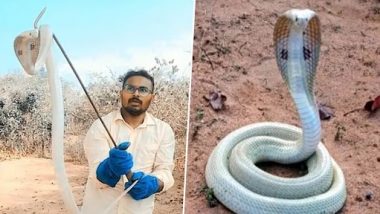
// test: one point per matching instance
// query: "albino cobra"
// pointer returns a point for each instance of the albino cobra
(231, 171)
(33, 49)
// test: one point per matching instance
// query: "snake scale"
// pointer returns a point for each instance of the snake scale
(231, 171)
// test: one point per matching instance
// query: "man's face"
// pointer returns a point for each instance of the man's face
(132, 100)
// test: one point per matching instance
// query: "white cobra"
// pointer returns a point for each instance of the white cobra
(33, 49)
(231, 171)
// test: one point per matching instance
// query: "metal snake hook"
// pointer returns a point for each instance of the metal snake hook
(39, 17)
(129, 175)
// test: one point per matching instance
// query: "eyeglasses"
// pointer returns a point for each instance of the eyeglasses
(143, 91)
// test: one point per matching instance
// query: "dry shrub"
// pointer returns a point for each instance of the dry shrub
(172, 96)
(25, 112)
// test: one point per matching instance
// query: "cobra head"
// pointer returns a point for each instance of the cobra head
(31, 48)
(300, 18)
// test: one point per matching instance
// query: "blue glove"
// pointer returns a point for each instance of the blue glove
(145, 187)
(117, 164)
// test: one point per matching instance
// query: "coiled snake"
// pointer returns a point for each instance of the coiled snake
(231, 171)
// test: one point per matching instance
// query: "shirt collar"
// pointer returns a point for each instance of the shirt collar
(148, 120)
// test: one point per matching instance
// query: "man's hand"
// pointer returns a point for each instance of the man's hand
(118, 163)
(145, 187)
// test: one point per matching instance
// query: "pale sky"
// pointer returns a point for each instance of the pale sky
(102, 35)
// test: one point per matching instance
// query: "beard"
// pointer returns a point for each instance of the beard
(134, 111)
(131, 108)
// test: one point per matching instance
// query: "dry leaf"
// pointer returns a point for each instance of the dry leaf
(216, 99)
(325, 113)
(373, 105)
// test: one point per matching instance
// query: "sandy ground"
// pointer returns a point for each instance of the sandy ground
(233, 53)
(28, 185)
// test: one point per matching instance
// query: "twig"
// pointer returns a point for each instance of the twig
(208, 58)
(352, 111)
(240, 47)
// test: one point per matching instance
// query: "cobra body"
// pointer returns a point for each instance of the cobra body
(231, 171)
(33, 48)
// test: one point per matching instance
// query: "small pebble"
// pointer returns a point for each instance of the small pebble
(369, 196)
(358, 198)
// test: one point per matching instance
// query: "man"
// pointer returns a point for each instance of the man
(145, 147)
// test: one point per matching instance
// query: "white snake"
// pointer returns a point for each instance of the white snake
(33, 49)
(231, 171)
